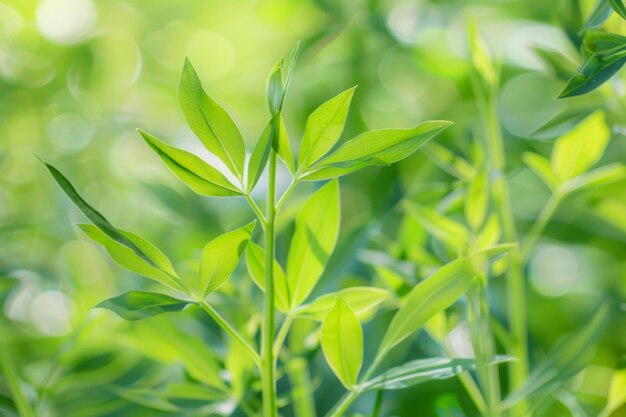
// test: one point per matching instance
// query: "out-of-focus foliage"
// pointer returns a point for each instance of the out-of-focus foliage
(78, 76)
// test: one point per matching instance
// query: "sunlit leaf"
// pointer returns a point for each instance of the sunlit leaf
(577, 151)
(342, 343)
(564, 361)
(317, 229)
(138, 305)
(94, 216)
(541, 167)
(597, 177)
(435, 294)
(160, 269)
(275, 88)
(376, 147)
(481, 59)
(210, 122)
(260, 155)
(440, 226)
(282, 146)
(477, 200)
(419, 371)
(323, 128)
(362, 300)
(193, 171)
(617, 393)
(220, 257)
(450, 162)
(255, 261)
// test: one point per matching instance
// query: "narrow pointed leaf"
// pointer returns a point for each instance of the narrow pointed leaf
(323, 128)
(541, 167)
(221, 256)
(435, 294)
(599, 15)
(362, 300)
(442, 227)
(578, 150)
(94, 215)
(618, 6)
(275, 88)
(317, 229)
(260, 155)
(477, 200)
(597, 177)
(210, 122)
(596, 70)
(138, 305)
(255, 261)
(342, 343)
(282, 146)
(564, 361)
(376, 147)
(160, 269)
(193, 171)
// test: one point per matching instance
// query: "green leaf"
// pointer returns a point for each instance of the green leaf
(448, 161)
(221, 256)
(92, 214)
(275, 88)
(419, 371)
(597, 177)
(283, 147)
(564, 361)
(160, 269)
(578, 150)
(541, 167)
(323, 128)
(255, 261)
(558, 63)
(342, 343)
(210, 122)
(477, 200)
(193, 171)
(481, 59)
(599, 15)
(138, 305)
(260, 155)
(435, 294)
(443, 228)
(618, 6)
(362, 300)
(317, 229)
(376, 147)
(617, 393)
(608, 55)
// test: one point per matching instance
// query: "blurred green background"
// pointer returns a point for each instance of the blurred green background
(78, 76)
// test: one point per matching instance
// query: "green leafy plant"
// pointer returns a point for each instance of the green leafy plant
(317, 227)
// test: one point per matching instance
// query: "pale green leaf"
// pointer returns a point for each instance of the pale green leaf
(193, 171)
(283, 147)
(597, 177)
(564, 361)
(376, 147)
(255, 261)
(275, 88)
(362, 300)
(323, 129)
(577, 151)
(138, 305)
(449, 161)
(481, 59)
(317, 229)
(477, 200)
(342, 343)
(435, 294)
(221, 256)
(260, 155)
(541, 167)
(161, 270)
(210, 122)
(443, 228)
(617, 393)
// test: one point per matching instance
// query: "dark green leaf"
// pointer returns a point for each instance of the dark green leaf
(137, 305)
(618, 6)
(193, 171)
(600, 13)
(92, 214)
(260, 155)
(210, 122)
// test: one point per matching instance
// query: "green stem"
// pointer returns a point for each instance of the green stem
(282, 334)
(282, 199)
(301, 391)
(256, 210)
(542, 221)
(340, 408)
(267, 338)
(482, 342)
(516, 289)
(230, 330)
(13, 382)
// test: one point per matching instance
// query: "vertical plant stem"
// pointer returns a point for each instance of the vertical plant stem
(544, 217)
(301, 392)
(13, 382)
(482, 342)
(516, 289)
(267, 338)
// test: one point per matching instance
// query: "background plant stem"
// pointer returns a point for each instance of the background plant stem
(516, 289)
(301, 391)
(267, 338)
(13, 383)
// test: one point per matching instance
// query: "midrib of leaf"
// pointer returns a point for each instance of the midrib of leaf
(183, 168)
(306, 162)
(198, 99)
(344, 362)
